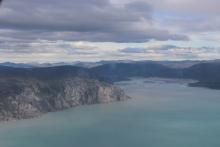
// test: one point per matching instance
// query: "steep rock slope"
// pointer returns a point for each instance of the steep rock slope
(25, 98)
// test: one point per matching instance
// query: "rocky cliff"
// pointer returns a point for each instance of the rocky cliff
(27, 98)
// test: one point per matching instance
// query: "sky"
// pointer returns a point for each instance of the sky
(93, 30)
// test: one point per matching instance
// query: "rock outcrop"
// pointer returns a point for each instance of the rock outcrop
(27, 98)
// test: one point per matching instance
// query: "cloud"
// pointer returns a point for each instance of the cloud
(134, 50)
(172, 52)
(48, 30)
(48, 51)
(82, 20)
(190, 6)
(156, 48)
(47, 47)
(189, 16)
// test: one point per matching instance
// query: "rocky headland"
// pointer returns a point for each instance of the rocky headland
(25, 98)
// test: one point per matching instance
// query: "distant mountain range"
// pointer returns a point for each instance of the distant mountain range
(207, 73)
(111, 71)
(174, 64)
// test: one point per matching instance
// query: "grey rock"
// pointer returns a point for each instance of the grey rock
(25, 98)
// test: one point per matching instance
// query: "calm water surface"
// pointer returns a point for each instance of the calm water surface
(160, 114)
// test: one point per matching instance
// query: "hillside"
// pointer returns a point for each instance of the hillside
(208, 74)
(27, 93)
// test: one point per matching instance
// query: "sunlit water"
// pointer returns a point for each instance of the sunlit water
(159, 114)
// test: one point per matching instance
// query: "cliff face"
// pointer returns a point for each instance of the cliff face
(25, 98)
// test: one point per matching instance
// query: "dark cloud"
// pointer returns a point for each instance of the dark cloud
(82, 20)
(51, 29)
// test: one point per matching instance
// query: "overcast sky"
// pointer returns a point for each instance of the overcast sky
(92, 30)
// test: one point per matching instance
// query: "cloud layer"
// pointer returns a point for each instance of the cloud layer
(82, 20)
(55, 30)
(168, 52)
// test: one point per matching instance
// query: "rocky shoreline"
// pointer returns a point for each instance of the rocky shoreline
(23, 99)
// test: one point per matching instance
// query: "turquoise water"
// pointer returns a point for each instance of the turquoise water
(158, 115)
